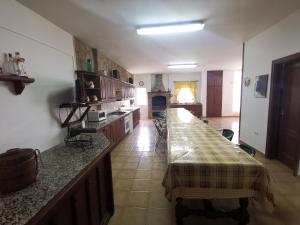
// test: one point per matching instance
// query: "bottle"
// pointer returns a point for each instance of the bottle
(11, 64)
(89, 65)
(17, 63)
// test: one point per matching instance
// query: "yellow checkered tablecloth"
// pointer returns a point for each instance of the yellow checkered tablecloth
(203, 164)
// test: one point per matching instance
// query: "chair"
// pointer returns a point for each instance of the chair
(248, 149)
(205, 121)
(228, 134)
(161, 129)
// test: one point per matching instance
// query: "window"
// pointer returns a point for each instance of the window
(185, 91)
(185, 95)
(141, 96)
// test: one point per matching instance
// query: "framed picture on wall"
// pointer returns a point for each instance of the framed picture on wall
(261, 86)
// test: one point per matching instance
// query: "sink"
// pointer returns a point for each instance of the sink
(117, 113)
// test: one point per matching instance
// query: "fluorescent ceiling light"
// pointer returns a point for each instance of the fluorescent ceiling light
(182, 66)
(170, 28)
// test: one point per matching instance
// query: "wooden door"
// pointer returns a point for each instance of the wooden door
(289, 124)
(214, 93)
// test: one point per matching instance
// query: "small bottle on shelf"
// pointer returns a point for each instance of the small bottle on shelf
(89, 65)
(19, 64)
(9, 64)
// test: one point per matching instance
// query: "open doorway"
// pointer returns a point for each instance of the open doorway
(284, 112)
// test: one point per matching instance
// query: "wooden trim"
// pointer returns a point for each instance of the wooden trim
(273, 115)
(242, 81)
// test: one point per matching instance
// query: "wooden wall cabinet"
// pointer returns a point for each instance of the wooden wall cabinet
(105, 87)
(195, 109)
(88, 201)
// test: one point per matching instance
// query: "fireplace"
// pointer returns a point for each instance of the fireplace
(158, 98)
(157, 102)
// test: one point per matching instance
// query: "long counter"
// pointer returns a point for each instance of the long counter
(61, 166)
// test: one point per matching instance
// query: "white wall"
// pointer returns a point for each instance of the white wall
(168, 81)
(201, 78)
(280, 40)
(227, 92)
(30, 119)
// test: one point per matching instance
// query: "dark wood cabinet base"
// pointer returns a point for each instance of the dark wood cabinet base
(240, 214)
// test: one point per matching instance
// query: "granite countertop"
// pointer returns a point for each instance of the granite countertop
(61, 164)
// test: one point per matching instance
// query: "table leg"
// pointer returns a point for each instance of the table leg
(244, 215)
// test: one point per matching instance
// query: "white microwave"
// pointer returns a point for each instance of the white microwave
(96, 115)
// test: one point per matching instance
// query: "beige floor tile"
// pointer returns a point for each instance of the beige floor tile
(143, 174)
(119, 159)
(131, 165)
(144, 166)
(158, 200)
(120, 198)
(117, 165)
(141, 185)
(134, 216)
(133, 159)
(122, 184)
(138, 199)
(156, 186)
(159, 166)
(157, 174)
(158, 217)
(115, 172)
(127, 173)
(116, 218)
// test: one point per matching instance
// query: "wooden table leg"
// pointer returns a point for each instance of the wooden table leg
(244, 215)
(180, 211)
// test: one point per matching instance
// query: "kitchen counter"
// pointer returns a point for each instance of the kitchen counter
(61, 164)
(109, 119)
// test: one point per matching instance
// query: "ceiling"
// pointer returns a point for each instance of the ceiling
(109, 25)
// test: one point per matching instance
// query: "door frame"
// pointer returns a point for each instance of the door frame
(274, 108)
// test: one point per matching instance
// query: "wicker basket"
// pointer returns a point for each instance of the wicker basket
(18, 169)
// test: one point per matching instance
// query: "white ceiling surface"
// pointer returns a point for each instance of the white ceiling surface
(109, 25)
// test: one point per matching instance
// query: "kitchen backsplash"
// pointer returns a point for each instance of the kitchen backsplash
(113, 106)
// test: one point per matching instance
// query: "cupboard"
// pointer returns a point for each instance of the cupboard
(86, 201)
(104, 87)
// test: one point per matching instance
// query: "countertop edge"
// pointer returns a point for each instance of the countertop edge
(52, 202)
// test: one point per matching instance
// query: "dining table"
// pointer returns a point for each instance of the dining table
(202, 164)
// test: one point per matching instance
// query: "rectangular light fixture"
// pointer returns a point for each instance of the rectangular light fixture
(182, 66)
(170, 28)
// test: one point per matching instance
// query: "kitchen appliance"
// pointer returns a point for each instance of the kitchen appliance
(127, 123)
(96, 115)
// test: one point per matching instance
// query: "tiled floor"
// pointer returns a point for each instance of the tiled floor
(139, 197)
(231, 123)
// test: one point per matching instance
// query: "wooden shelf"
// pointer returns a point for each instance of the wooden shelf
(18, 81)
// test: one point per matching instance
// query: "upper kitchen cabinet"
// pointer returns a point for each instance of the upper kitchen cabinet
(96, 88)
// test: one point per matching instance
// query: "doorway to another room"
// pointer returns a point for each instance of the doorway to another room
(223, 100)
(284, 112)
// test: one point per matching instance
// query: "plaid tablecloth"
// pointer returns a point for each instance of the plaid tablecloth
(203, 164)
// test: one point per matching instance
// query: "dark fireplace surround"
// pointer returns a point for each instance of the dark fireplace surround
(158, 101)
